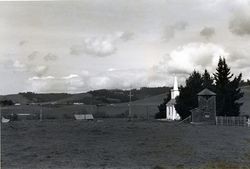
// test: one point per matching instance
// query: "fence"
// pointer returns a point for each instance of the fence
(231, 121)
(123, 110)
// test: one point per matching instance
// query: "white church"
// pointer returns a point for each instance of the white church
(171, 113)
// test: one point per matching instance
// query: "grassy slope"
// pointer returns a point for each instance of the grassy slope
(16, 98)
(103, 96)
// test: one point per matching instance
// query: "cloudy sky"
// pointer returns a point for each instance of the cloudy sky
(85, 45)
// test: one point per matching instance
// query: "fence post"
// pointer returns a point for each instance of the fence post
(41, 115)
(147, 112)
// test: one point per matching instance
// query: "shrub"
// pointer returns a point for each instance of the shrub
(68, 116)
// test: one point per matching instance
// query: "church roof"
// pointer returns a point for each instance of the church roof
(171, 102)
(206, 92)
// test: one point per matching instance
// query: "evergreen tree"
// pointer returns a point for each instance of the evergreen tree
(162, 107)
(227, 90)
(207, 81)
(187, 99)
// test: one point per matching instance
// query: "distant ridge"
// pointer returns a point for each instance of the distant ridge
(103, 96)
(143, 96)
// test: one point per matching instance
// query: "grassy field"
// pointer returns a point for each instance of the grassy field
(60, 142)
(117, 143)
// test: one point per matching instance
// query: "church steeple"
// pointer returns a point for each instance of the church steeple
(175, 91)
(175, 83)
(171, 113)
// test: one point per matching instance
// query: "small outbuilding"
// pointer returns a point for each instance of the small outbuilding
(84, 117)
(206, 110)
(4, 120)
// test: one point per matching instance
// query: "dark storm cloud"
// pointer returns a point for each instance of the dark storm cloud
(127, 36)
(23, 42)
(50, 57)
(33, 55)
(207, 32)
(170, 30)
(240, 24)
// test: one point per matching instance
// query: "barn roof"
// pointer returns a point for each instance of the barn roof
(206, 92)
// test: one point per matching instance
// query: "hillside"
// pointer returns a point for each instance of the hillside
(141, 97)
(102, 96)
(16, 98)
(152, 100)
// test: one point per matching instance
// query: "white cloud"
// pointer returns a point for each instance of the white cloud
(194, 56)
(100, 46)
(71, 76)
(18, 65)
(111, 69)
(85, 73)
(71, 83)
(42, 78)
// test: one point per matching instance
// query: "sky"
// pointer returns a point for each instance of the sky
(77, 46)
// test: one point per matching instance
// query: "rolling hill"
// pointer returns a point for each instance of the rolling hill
(119, 98)
(102, 96)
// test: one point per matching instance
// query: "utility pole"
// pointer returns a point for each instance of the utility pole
(1, 112)
(147, 112)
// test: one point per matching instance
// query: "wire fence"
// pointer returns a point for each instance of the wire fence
(232, 121)
(27, 112)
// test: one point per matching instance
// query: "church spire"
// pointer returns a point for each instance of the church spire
(175, 91)
(175, 83)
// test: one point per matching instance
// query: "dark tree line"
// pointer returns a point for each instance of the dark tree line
(245, 83)
(162, 108)
(187, 99)
(222, 82)
(6, 103)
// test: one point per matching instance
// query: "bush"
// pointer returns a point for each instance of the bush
(101, 115)
(12, 117)
(6, 103)
(68, 116)
(48, 117)
(162, 108)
